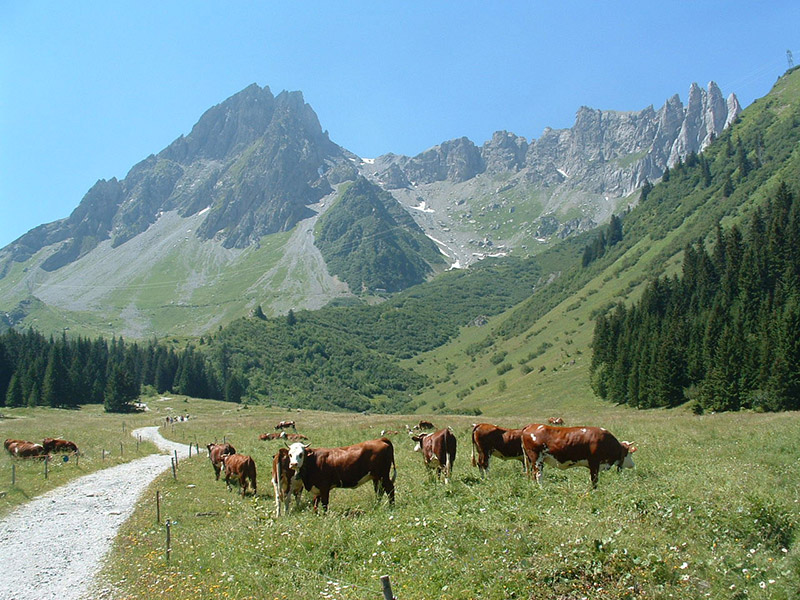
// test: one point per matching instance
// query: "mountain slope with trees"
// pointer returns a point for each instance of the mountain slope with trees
(372, 243)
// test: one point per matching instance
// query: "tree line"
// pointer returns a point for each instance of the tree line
(723, 334)
(67, 372)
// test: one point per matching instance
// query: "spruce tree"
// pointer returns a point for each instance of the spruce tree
(14, 395)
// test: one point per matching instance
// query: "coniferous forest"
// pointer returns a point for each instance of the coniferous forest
(65, 373)
(724, 333)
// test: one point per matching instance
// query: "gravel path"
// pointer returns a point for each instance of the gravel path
(52, 547)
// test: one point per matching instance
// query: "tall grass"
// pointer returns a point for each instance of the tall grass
(710, 511)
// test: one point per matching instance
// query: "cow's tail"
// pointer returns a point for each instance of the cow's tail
(474, 427)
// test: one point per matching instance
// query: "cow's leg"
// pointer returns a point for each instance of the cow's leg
(216, 470)
(388, 488)
(324, 496)
(538, 468)
(278, 498)
(594, 469)
(255, 487)
(243, 483)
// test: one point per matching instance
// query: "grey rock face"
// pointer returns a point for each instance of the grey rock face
(254, 162)
(606, 152)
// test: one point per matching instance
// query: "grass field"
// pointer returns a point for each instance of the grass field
(711, 510)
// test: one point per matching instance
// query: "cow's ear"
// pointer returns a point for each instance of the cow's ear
(630, 447)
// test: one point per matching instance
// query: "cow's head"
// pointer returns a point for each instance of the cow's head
(627, 461)
(297, 455)
(418, 439)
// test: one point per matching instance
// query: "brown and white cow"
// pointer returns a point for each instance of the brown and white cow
(555, 421)
(9, 444)
(270, 436)
(215, 454)
(322, 469)
(438, 450)
(22, 449)
(58, 445)
(285, 425)
(284, 481)
(241, 468)
(424, 425)
(490, 440)
(565, 447)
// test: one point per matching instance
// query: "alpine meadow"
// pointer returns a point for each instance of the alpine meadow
(358, 298)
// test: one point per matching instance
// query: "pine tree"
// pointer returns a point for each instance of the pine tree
(14, 395)
(54, 387)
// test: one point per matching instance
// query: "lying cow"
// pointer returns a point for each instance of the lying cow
(270, 436)
(565, 447)
(285, 425)
(9, 444)
(215, 454)
(285, 482)
(22, 449)
(57, 445)
(322, 469)
(555, 421)
(490, 440)
(424, 425)
(294, 437)
(239, 467)
(438, 450)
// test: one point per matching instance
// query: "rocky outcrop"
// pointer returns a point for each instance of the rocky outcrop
(604, 152)
(253, 162)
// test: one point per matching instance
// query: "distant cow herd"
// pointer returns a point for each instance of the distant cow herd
(26, 449)
(298, 466)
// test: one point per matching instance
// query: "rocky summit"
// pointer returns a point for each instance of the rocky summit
(224, 218)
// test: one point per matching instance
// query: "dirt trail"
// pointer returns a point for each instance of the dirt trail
(52, 547)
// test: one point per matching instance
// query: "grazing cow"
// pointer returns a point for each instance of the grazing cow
(239, 467)
(425, 425)
(555, 421)
(285, 425)
(322, 469)
(438, 450)
(285, 482)
(490, 440)
(385, 432)
(565, 447)
(27, 450)
(57, 445)
(215, 454)
(270, 436)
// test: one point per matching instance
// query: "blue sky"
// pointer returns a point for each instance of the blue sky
(88, 89)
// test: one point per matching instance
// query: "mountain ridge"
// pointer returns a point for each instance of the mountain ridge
(256, 164)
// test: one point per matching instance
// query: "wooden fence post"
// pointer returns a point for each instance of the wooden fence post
(174, 474)
(158, 506)
(13, 474)
(104, 454)
(46, 462)
(387, 588)
(169, 548)
(120, 448)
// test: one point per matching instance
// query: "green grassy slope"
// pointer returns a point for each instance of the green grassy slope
(545, 341)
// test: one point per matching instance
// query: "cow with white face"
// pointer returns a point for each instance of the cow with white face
(438, 450)
(321, 469)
